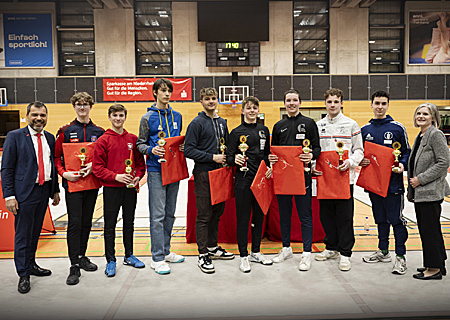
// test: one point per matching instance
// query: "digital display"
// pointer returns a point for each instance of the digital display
(228, 54)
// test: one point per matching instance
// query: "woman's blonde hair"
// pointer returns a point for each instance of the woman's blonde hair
(435, 118)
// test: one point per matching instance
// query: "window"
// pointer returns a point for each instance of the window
(76, 45)
(153, 23)
(386, 34)
(311, 35)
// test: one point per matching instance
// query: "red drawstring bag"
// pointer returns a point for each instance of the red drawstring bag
(72, 162)
(288, 171)
(175, 167)
(376, 176)
(262, 188)
(221, 184)
(333, 183)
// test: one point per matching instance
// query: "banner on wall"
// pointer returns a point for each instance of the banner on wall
(28, 40)
(140, 89)
(429, 37)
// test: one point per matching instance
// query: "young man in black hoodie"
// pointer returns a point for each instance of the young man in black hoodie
(257, 139)
(202, 143)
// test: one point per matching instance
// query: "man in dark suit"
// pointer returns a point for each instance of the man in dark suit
(29, 179)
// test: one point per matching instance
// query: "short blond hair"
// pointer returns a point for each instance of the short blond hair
(207, 92)
(435, 118)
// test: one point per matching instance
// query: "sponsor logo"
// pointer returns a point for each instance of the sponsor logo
(283, 130)
(93, 138)
(388, 135)
(262, 135)
(130, 146)
(301, 127)
(74, 140)
(369, 137)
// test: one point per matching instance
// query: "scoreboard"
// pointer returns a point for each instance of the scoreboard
(230, 54)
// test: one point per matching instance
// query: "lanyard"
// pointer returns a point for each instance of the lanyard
(160, 122)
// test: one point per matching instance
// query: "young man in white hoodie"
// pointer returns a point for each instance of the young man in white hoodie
(336, 215)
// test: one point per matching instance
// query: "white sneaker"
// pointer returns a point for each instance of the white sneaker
(345, 264)
(284, 254)
(377, 256)
(399, 266)
(326, 254)
(245, 265)
(205, 264)
(160, 267)
(259, 257)
(305, 263)
(174, 258)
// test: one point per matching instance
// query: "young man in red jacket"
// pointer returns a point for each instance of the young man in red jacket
(119, 166)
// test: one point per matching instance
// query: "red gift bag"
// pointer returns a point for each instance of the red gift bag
(288, 172)
(221, 184)
(262, 188)
(175, 167)
(333, 183)
(72, 162)
(376, 176)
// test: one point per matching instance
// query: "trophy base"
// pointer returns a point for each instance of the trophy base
(396, 169)
(129, 186)
(307, 169)
(244, 169)
(162, 160)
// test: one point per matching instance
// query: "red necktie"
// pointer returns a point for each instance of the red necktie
(40, 160)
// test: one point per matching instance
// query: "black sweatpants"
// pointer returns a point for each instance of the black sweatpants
(245, 202)
(80, 209)
(113, 199)
(336, 216)
(208, 216)
(428, 220)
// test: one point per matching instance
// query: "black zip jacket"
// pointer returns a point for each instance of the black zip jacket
(202, 140)
(291, 131)
(258, 138)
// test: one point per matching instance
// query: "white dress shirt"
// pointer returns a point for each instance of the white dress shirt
(46, 153)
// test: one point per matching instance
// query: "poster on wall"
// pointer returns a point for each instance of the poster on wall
(429, 34)
(140, 89)
(28, 40)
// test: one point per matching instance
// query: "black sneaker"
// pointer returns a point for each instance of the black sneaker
(219, 253)
(74, 275)
(205, 263)
(87, 265)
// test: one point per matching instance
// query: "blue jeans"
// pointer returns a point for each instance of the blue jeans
(162, 202)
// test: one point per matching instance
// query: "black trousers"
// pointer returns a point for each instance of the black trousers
(428, 215)
(113, 199)
(336, 216)
(80, 209)
(28, 225)
(245, 202)
(208, 216)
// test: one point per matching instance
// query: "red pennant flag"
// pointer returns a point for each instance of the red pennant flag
(288, 171)
(262, 188)
(221, 184)
(376, 176)
(175, 167)
(333, 183)
(72, 162)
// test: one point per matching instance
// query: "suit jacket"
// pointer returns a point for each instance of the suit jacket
(20, 165)
(430, 167)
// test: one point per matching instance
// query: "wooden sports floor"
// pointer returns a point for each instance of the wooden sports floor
(54, 245)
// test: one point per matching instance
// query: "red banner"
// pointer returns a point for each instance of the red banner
(140, 89)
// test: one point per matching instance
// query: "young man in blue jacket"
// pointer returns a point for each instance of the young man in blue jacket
(203, 139)
(387, 211)
(160, 117)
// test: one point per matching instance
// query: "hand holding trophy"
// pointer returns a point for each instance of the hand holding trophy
(243, 147)
(161, 143)
(306, 149)
(129, 170)
(340, 152)
(223, 148)
(82, 156)
(396, 145)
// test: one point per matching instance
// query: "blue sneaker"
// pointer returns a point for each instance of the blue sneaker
(133, 261)
(110, 270)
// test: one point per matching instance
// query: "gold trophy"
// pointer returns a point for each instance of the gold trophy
(82, 157)
(129, 170)
(396, 145)
(306, 149)
(243, 147)
(340, 151)
(161, 143)
(223, 148)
